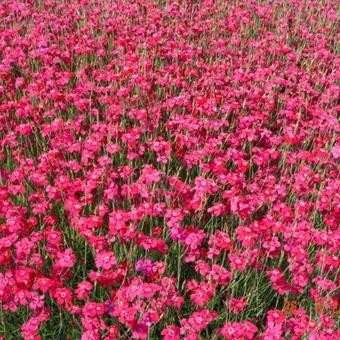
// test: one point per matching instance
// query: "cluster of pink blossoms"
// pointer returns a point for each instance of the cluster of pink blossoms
(169, 169)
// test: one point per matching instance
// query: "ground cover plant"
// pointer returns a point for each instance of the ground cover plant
(169, 169)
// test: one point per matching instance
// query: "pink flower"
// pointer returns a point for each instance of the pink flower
(92, 309)
(83, 290)
(237, 305)
(336, 151)
(201, 292)
(66, 259)
(63, 296)
(171, 333)
(105, 260)
(236, 330)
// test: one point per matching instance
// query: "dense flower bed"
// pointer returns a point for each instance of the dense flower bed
(169, 169)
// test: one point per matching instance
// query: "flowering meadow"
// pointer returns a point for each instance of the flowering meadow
(169, 169)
